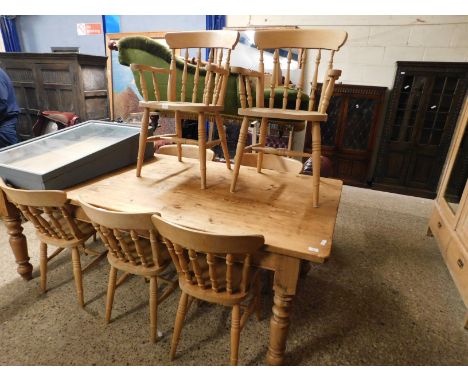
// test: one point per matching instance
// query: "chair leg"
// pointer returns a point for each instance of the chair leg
(239, 152)
(262, 140)
(142, 141)
(153, 306)
(210, 130)
(202, 148)
(316, 152)
(77, 275)
(110, 292)
(180, 316)
(178, 127)
(235, 334)
(222, 136)
(43, 265)
(258, 296)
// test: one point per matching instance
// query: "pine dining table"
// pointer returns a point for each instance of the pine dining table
(273, 204)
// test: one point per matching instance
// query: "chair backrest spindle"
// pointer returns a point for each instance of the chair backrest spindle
(184, 76)
(197, 77)
(260, 89)
(313, 87)
(274, 79)
(287, 79)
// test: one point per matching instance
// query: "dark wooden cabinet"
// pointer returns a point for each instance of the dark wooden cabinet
(57, 81)
(422, 112)
(348, 136)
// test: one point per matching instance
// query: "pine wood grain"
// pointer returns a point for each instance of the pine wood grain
(275, 205)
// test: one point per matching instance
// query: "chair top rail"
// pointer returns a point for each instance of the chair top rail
(203, 39)
(207, 242)
(117, 220)
(300, 38)
(35, 198)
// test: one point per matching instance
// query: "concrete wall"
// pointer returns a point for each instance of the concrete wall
(161, 23)
(375, 43)
(39, 33)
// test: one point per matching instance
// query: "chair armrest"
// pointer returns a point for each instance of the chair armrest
(245, 72)
(148, 68)
(335, 73)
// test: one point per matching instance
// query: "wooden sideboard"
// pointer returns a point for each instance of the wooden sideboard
(449, 220)
(421, 116)
(57, 81)
(348, 136)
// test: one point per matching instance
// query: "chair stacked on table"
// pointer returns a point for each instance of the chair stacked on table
(202, 98)
(210, 100)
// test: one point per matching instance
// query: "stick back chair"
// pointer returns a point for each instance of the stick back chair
(213, 268)
(188, 151)
(52, 215)
(134, 248)
(303, 40)
(205, 98)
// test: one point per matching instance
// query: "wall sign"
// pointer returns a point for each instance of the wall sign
(84, 29)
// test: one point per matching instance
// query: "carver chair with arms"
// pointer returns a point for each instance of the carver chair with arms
(202, 98)
(52, 215)
(301, 40)
(134, 248)
(213, 268)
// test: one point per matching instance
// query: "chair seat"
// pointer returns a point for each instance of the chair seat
(273, 113)
(181, 106)
(208, 294)
(136, 266)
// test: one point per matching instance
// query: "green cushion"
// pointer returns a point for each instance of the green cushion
(146, 51)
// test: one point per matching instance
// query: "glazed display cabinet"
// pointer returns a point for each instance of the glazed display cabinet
(449, 220)
(421, 116)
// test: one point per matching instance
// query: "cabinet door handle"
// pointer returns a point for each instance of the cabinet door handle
(460, 263)
(439, 225)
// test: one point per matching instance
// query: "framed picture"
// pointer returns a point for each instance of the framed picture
(123, 94)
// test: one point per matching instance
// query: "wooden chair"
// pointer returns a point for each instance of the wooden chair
(52, 216)
(188, 151)
(133, 248)
(204, 98)
(301, 39)
(213, 268)
(273, 162)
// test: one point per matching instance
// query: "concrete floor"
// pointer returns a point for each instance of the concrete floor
(385, 297)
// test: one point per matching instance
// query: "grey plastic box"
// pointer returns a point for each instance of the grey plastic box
(71, 156)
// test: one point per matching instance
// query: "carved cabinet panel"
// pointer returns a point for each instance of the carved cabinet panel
(56, 81)
(348, 136)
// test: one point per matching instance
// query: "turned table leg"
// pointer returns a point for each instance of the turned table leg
(18, 243)
(285, 282)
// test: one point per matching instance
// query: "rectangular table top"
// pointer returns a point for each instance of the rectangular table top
(275, 205)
